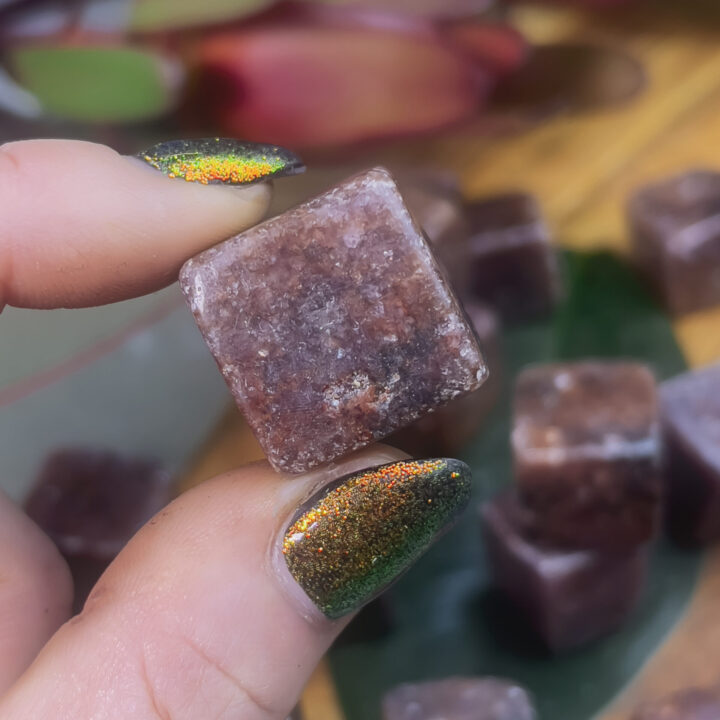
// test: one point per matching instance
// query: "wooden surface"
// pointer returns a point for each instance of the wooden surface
(582, 168)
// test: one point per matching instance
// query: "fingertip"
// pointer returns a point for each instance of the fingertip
(87, 226)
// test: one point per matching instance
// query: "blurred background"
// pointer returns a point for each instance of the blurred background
(574, 104)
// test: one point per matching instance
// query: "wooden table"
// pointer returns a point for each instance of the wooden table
(582, 168)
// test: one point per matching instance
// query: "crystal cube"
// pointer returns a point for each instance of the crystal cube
(332, 323)
(586, 453)
(570, 597)
(675, 228)
(458, 698)
(513, 267)
(690, 416)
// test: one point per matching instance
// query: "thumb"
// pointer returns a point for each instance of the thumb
(223, 604)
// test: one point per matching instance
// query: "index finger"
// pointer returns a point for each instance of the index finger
(82, 225)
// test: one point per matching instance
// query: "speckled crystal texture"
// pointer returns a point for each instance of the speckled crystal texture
(569, 597)
(450, 428)
(332, 323)
(586, 453)
(459, 698)
(675, 228)
(687, 704)
(690, 415)
(512, 264)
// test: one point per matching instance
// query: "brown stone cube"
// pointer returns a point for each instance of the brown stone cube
(513, 267)
(459, 698)
(570, 597)
(332, 323)
(675, 228)
(690, 416)
(586, 454)
(91, 502)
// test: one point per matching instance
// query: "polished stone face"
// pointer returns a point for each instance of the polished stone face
(675, 228)
(690, 415)
(512, 265)
(585, 444)
(450, 428)
(570, 597)
(332, 323)
(459, 698)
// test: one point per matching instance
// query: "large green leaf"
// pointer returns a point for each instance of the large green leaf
(446, 620)
(97, 83)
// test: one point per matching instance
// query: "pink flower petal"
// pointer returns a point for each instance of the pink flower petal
(328, 84)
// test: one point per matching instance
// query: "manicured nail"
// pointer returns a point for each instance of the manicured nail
(351, 540)
(221, 161)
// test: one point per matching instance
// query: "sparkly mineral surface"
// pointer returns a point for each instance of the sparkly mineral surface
(91, 502)
(585, 444)
(332, 323)
(449, 429)
(221, 161)
(675, 228)
(459, 698)
(359, 533)
(512, 265)
(688, 704)
(690, 417)
(569, 597)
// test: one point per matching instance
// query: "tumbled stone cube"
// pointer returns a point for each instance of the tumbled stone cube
(91, 502)
(332, 323)
(570, 597)
(512, 264)
(435, 201)
(689, 704)
(690, 416)
(675, 228)
(458, 698)
(586, 453)
(444, 432)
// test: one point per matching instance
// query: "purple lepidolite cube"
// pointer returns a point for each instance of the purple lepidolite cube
(332, 323)
(690, 416)
(570, 597)
(585, 446)
(688, 704)
(675, 227)
(459, 698)
(512, 264)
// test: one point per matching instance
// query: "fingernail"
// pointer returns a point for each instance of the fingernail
(357, 535)
(221, 161)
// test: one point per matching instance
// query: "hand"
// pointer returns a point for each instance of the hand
(201, 615)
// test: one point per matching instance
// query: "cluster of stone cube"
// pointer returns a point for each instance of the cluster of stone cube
(600, 458)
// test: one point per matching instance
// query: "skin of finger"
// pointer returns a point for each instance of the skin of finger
(82, 225)
(35, 591)
(193, 620)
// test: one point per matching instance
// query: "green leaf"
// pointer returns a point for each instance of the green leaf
(445, 620)
(96, 84)
(158, 15)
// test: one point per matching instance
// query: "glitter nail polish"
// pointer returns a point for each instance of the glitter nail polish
(221, 161)
(351, 540)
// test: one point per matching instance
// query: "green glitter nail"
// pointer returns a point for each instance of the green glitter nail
(353, 539)
(221, 161)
